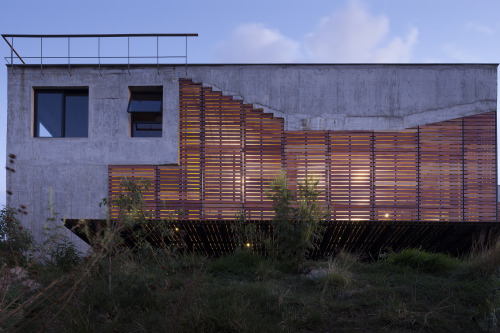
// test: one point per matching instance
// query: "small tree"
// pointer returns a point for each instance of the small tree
(310, 214)
(131, 210)
(130, 201)
(296, 220)
(132, 214)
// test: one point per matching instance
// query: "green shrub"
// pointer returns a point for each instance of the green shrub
(434, 263)
(296, 221)
(64, 254)
(16, 242)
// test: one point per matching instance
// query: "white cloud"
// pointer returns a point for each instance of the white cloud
(351, 35)
(398, 50)
(480, 28)
(355, 35)
(254, 42)
(347, 35)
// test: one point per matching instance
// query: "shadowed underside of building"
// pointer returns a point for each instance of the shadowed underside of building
(218, 237)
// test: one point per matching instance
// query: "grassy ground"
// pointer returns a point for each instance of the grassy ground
(157, 291)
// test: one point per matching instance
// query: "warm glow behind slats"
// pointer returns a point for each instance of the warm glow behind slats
(230, 151)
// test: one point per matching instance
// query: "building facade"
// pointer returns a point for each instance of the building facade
(386, 142)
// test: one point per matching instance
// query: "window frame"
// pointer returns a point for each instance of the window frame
(77, 91)
(145, 90)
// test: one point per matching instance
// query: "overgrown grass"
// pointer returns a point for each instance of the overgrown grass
(144, 289)
(157, 290)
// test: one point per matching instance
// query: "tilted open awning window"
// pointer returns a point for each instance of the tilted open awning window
(145, 102)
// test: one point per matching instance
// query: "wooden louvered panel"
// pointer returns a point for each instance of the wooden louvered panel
(222, 172)
(350, 175)
(263, 138)
(145, 173)
(395, 175)
(441, 171)
(191, 148)
(169, 191)
(480, 167)
(306, 155)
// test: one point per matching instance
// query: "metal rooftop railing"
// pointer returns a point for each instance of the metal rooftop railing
(97, 56)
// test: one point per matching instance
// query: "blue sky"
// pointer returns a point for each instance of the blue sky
(354, 31)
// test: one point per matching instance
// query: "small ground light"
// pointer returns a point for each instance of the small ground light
(386, 214)
(248, 244)
(176, 229)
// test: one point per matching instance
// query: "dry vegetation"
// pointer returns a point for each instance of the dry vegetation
(162, 289)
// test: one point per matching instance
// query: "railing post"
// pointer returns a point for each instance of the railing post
(496, 169)
(69, 57)
(463, 170)
(372, 175)
(41, 55)
(12, 54)
(99, 53)
(418, 173)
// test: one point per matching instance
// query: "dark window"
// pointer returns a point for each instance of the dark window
(145, 108)
(61, 113)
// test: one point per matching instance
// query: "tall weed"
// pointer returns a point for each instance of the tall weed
(484, 259)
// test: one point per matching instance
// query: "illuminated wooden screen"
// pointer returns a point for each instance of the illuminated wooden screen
(147, 173)
(230, 151)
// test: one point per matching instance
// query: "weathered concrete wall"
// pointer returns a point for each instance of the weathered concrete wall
(335, 97)
(358, 97)
(76, 168)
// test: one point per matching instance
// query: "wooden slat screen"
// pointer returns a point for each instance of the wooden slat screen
(116, 173)
(395, 172)
(441, 181)
(230, 151)
(480, 168)
(263, 160)
(169, 191)
(223, 156)
(350, 178)
(306, 155)
(191, 123)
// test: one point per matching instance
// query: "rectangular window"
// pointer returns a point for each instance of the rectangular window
(145, 108)
(61, 113)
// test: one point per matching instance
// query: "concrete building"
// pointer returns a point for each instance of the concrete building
(407, 142)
